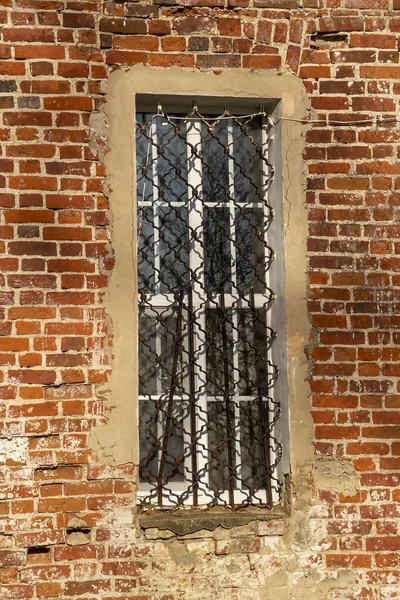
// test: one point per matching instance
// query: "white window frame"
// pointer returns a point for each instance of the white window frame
(270, 130)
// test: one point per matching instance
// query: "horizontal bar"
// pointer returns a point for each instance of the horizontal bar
(231, 300)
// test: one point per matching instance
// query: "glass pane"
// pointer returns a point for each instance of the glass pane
(251, 252)
(253, 431)
(219, 352)
(171, 163)
(215, 163)
(252, 351)
(173, 470)
(168, 255)
(145, 249)
(217, 259)
(173, 248)
(218, 446)
(158, 342)
(148, 440)
(151, 442)
(147, 356)
(248, 162)
(170, 343)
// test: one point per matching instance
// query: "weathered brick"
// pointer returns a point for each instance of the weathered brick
(78, 20)
(125, 26)
(195, 25)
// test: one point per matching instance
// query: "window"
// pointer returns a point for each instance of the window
(210, 276)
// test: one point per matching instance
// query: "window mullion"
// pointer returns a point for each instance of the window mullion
(156, 204)
(157, 271)
(235, 336)
(197, 282)
(266, 137)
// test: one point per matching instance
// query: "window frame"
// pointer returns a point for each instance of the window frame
(113, 440)
(159, 301)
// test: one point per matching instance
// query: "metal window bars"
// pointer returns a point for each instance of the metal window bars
(208, 413)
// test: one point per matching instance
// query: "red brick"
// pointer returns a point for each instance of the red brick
(73, 69)
(261, 62)
(143, 43)
(159, 27)
(168, 60)
(39, 52)
(229, 26)
(371, 40)
(349, 560)
(67, 233)
(383, 543)
(69, 103)
(78, 20)
(172, 44)
(77, 588)
(336, 432)
(29, 216)
(195, 24)
(75, 298)
(315, 72)
(12, 558)
(33, 183)
(380, 72)
(58, 474)
(12, 68)
(126, 26)
(76, 552)
(27, 118)
(48, 590)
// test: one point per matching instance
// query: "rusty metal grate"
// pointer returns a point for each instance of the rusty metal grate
(207, 409)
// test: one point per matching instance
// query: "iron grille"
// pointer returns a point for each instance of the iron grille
(207, 410)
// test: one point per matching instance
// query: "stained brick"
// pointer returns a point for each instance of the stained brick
(78, 20)
(195, 25)
(126, 26)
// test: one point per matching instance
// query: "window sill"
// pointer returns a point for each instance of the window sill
(186, 521)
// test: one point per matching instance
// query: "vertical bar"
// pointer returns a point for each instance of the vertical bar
(267, 138)
(156, 204)
(231, 200)
(192, 399)
(156, 246)
(229, 432)
(264, 426)
(168, 422)
(235, 329)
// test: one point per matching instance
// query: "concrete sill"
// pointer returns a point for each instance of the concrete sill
(185, 521)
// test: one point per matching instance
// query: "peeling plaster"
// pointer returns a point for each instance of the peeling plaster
(98, 127)
(15, 449)
(336, 475)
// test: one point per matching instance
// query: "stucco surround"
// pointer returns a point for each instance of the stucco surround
(116, 440)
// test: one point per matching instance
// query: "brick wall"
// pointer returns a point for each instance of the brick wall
(67, 527)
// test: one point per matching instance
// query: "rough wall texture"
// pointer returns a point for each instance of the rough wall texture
(68, 528)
